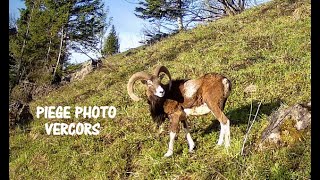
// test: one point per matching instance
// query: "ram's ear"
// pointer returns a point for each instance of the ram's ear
(161, 76)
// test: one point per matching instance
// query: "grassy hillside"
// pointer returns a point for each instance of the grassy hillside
(268, 46)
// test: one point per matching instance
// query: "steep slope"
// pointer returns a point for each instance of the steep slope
(268, 46)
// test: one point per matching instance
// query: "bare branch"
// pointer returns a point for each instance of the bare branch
(248, 130)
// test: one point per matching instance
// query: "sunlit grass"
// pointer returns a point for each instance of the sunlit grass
(268, 46)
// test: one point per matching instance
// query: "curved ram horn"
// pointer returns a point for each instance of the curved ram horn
(163, 69)
(137, 76)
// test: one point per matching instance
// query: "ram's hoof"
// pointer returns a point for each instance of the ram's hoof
(191, 147)
(226, 145)
(168, 154)
(161, 130)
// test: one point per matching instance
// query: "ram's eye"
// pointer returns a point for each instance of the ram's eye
(149, 83)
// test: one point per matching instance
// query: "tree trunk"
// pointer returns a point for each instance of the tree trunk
(180, 16)
(19, 73)
(229, 8)
(49, 48)
(241, 4)
(60, 49)
(180, 23)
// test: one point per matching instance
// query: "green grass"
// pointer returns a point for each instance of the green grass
(268, 46)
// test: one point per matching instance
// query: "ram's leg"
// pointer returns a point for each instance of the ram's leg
(224, 134)
(227, 134)
(188, 135)
(220, 141)
(224, 124)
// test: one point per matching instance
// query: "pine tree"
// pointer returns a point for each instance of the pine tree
(111, 43)
(171, 11)
(48, 30)
(86, 21)
(12, 61)
(177, 15)
(81, 33)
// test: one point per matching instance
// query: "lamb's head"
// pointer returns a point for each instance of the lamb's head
(152, 82)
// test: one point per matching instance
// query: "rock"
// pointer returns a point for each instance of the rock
(275, 137)
(86, 68)
(299, 113)
(19, 113)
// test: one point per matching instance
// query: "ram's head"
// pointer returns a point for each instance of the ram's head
(152, 82)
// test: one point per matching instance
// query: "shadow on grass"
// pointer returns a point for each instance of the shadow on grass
(240, 115)
(237, 117)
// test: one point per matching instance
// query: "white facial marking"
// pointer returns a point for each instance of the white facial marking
(170, 149)
(159, 91)
(191, 87)
(200, 110)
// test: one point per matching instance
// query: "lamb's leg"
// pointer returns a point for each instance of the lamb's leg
(188, 135)
(170, 149)
(174, 129)
(161, 129)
